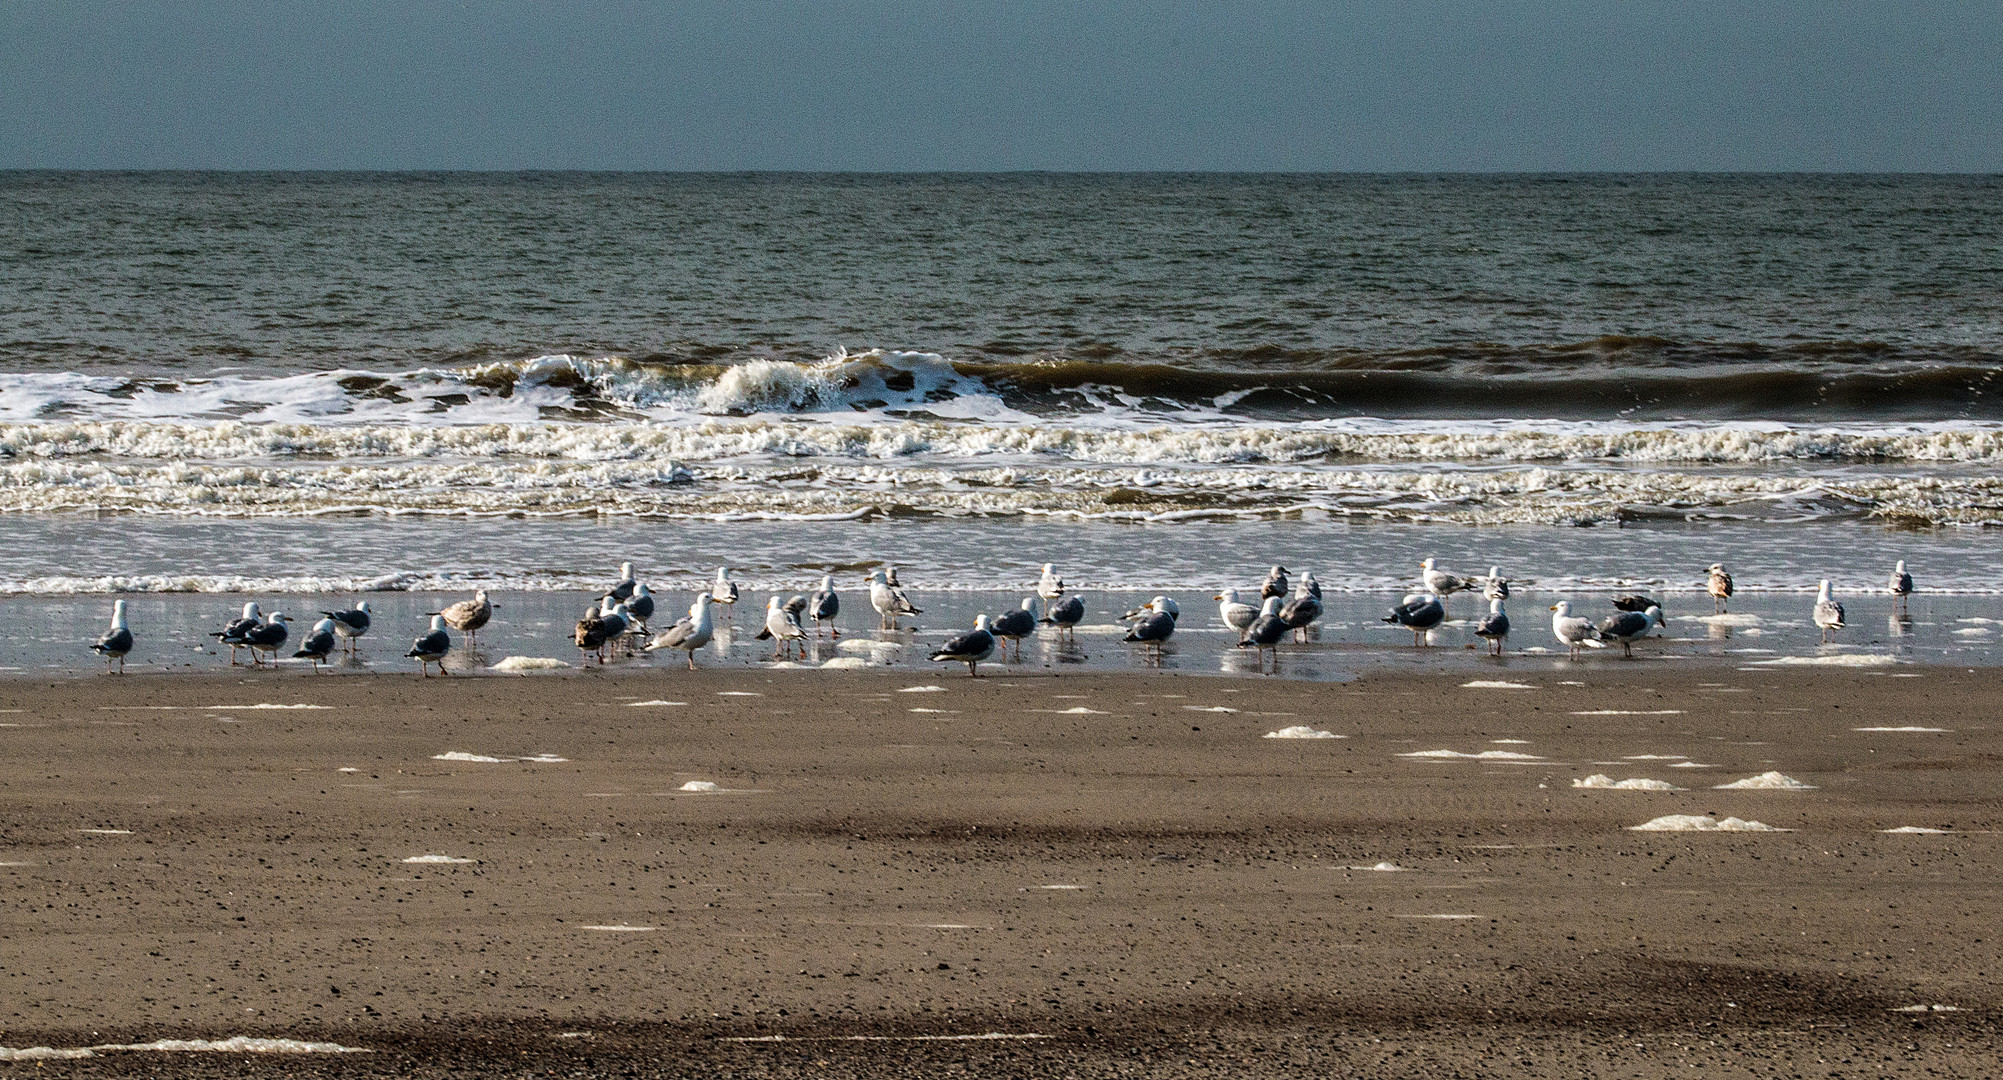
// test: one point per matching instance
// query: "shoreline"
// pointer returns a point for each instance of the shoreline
(1150, 881)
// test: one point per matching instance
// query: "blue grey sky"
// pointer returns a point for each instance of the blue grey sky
(1445, 85)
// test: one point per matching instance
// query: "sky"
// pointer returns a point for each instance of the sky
(890, 85)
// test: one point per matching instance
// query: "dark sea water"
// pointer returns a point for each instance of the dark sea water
(328, 383)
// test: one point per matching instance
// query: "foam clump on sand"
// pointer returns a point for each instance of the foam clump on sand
(486, 759)
(1299, 731)
(518, 664)
(1496, 684)
(1634, 783)
(1485, 755)
(1728, 619)
(1766, 781)
(845, 663)
(1936, 730)
(1382, 868)
(1917, 830)
(437, 859)
(699, 785)
(1839, 660)
(923, 690)
(236, 1044)
(1698, 823)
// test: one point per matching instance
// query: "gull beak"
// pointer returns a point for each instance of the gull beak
(1553, 607)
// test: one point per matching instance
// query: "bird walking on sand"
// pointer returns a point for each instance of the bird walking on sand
(115, 642)
(232, 633)
(468, 616)
(1719, 584)
(782, 628)
(318, 643)
(640, 608)
(1571, 631)
(888, 600)
(1049, 586)
(1494, 626)
(1901, 586)
(431, 647)
(723, 590)
(693, 632)
(267, 637)
(1419, 613)
(1235, 613)
(1440, 583)
(824, 606)
(1828, 613)
(1066, 614)
(969, 648)
(350, 625)
(1155, 623)
(1629, 627)
(1265, 633)
(1300, 612)
(1015, 625)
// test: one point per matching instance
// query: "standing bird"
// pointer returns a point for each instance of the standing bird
(1300, 612)
(1828, 613)
(431, 646)
(691, 633)
(1630, 626)
(1494, 626)
(318, 643)
(888, 600)
(232, 632)
(1495, 586)
(267, 637)
(468, 616)
(969, 648)
(1275, 584)
(1635, 602)
(1419, 613)
(1572, 632)
(613, 621)
(1719, 585)
(1015, 625)
(1901, 585)
(350, 625)
(1049, 586)
(1236, 613)
(626, 584)
(1440, 583)
(1309, 585)
(724, 590)
(1157, 622)
(824, 606)
(593, 632)
(783, 628)
(1066, 614)
(1265, 633)
(114, 643)
(641, 607)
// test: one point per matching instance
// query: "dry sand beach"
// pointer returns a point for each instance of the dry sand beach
(1102, 875)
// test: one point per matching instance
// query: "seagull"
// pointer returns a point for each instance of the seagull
(1309, 586)
(618, 623)
(350, 625)
(267, 636)
(825, 605)
(1635, 602)
(890, 576)
(431, 646)
(796, 606)
(1572, 632)
(1494, 626)
(691, 633)
(1719, 585)
(1901, 585)
(783, 628)
(1155, 626)
(317, 643)
(1050, 586)
(1495, 587)
(114, 643)
(1628, 626)
(468, 616)
(232, 632)
(1419, 613)
(593, 631)
(1828, 613)
(1301, 611)
(641, 607)
(1275, 583)
(1015, 625)
(725, 590)
(1266, 632)
(1440, 583)
(888, 600)
(969, 648)
(1236, 614)
(1066, 614)
(626, 583)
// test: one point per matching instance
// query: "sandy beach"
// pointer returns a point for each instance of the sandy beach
(1121, 874)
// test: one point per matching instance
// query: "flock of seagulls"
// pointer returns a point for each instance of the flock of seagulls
(619, 619)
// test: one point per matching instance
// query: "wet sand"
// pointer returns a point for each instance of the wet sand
(1119, 864)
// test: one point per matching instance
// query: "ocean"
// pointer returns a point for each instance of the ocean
(324, 385)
